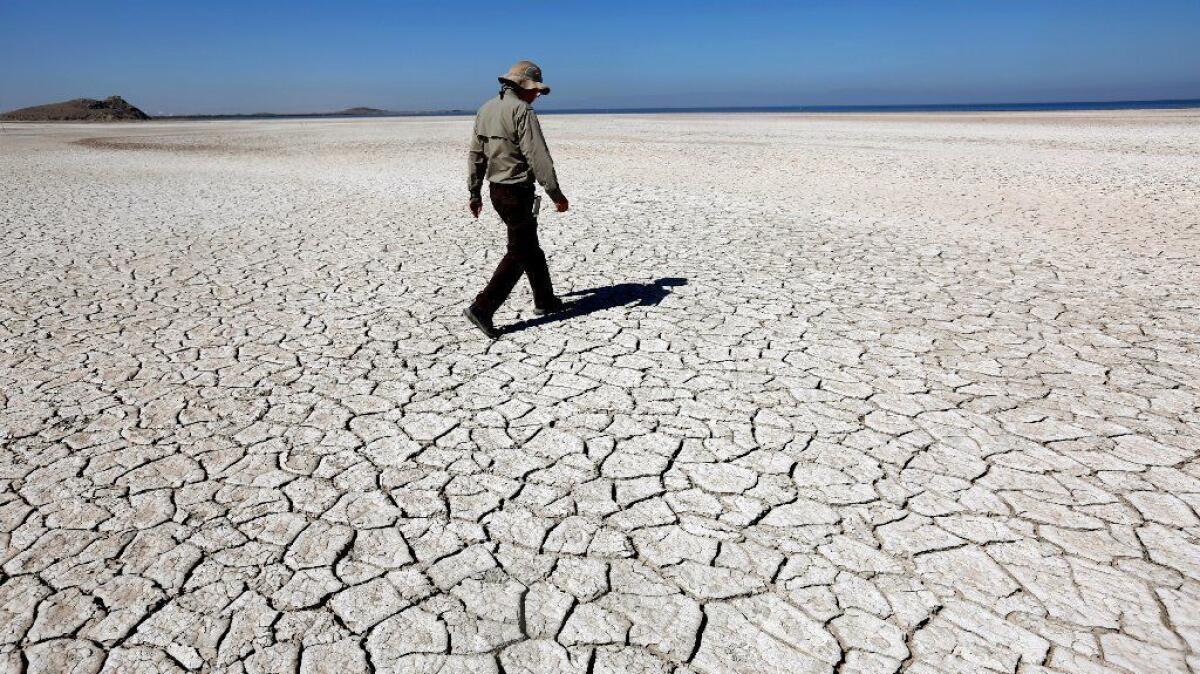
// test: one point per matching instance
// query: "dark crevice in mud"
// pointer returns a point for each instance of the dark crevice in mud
(699, 635)
(912, 634)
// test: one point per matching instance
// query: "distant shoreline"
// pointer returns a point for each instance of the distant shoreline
(1164, 104)
(313, 115)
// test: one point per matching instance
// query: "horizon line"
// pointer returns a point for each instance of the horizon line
(815, 107)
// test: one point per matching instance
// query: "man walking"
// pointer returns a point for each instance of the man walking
(508, 148)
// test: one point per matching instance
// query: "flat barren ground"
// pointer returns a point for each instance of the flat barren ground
(853, 393)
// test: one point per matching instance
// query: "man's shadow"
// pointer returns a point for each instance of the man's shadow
(608, 297)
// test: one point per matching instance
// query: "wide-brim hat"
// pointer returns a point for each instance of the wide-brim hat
(526, 75)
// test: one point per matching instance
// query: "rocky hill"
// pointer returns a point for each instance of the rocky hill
(113, 108)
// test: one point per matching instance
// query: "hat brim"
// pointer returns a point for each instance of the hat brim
(525, 83)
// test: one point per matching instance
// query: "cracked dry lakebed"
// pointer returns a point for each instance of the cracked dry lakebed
(859, 393)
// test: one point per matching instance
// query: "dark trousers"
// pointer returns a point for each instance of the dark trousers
(514, 204)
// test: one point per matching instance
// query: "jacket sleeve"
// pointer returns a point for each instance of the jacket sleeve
(476, 166)
(533, 146)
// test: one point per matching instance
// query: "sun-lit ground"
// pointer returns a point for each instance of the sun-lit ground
(864, 393)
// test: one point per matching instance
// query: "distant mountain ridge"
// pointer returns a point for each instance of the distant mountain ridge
(111, 109)
(115, 108)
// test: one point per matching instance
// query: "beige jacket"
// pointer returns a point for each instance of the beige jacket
(507, 146)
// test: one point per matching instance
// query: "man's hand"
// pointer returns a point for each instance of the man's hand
(476, 207)
(561, 205)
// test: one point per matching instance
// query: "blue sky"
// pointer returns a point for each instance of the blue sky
(170, 56)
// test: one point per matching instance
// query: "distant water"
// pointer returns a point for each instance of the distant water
(965, 107)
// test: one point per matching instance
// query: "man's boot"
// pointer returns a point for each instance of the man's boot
(550, 308)
(483, 323)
